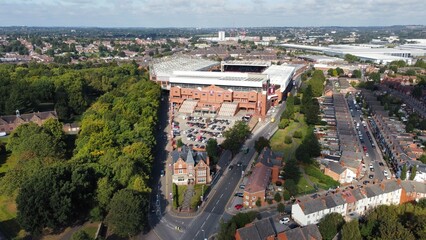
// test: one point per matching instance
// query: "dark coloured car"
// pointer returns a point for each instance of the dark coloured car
(366, 182)
(371, 176)
(239, 194)
(381, 164)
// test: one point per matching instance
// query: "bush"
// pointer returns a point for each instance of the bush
(281, 207)
(277, 197)
(269, 201)
(297, 134)
(286, 195)
(288, 140)
(283, 123)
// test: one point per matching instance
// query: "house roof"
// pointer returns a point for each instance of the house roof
(188, 155)
(29, 116)
(261, 230)
(336, 167)
(259, 179)
(309, 232)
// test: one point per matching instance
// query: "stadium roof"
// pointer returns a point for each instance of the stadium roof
(219, 78)
(280, 75)
(247, 63)
(166, 66)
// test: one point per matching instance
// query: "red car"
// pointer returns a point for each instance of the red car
(365, 148)
(238, 206)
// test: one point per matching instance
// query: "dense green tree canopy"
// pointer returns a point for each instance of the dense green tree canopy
(55, 197)
(236, 136)
(261, 143)
(128, 210)
(330, 225)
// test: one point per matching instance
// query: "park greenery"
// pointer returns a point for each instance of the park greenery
(107, 173)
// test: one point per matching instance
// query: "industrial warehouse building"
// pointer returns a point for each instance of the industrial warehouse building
(222, 88)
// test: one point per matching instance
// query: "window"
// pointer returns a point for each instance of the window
(201, 180)
(204, 94)
(201, 173)
(181, 179)
(180, 171)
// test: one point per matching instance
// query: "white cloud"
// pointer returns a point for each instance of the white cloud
(209, 13)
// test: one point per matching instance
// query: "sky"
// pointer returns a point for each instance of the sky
(211, 13)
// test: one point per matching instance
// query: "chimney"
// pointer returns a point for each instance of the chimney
(207, 160)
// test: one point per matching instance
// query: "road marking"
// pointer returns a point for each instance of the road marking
(207, 217)
(203, 225)
(221, 195)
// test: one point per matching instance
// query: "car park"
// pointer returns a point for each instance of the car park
(284, 220)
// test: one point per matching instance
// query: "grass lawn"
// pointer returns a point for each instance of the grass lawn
(197, 196)
(179, 195)
(277, 140)
(8, 224)
(91, 229)
(320, 179)
(303, 187)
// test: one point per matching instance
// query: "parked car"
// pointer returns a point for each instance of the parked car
(284, 220)
(242, 186)
(239, 194)
(162, 173)
(238, 206)
(371, 176)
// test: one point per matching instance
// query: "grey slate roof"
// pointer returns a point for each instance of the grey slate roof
(336, 167)
(188, 155)
(264, 228)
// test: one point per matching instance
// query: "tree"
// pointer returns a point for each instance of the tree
(404, 172)
(127, 214)
(330, 225)
(81, 235)
(288, 140)
(339, 71)
(291, 170)
(261, 143)
(356, 73)
(235, 136)
(351, 58)
(375, 77)
(423, 158)
(413, 172)
(283, 123)
(281, 207)
(258, 202)
(291, 187)
(289, 108)
(277, 197)
(212, 150)
(54, 198)
(297, 134)
(179, 143)
(350, 231)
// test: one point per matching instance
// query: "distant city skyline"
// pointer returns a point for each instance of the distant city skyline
(207, 13)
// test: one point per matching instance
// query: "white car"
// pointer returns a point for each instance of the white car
(366, 154)
(284, 220)
(385, 173)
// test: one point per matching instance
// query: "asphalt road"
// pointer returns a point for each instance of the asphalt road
(374, 153)
(207, 223)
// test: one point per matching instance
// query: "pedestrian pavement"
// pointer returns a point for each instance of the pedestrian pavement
(189, 193)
